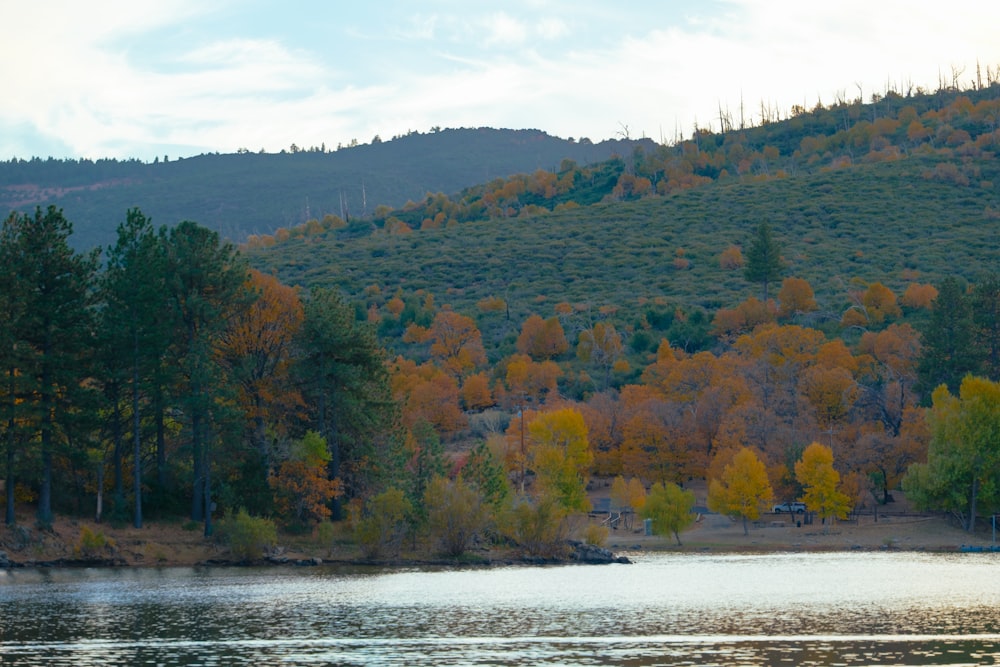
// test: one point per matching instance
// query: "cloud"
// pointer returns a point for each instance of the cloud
(503, 30)
(126, 78)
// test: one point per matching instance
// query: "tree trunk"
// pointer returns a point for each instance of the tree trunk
(207, 475)
(10, 519)
(136, 435)
(197, 497)
(99, 512)
(117, 437)
(44, 512)
(972, 505)
(161, 443)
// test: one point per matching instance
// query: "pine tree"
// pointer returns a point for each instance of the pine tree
(134, 329)
(53, 333)
(763, 259)
(949, 350)
(205, 287)
(346, 385)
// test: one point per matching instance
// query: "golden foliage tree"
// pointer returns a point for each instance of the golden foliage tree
(560, 456)
(821, 481)
(476, 394)
(796, 296)
(302, 490)
(456, 343)
(542, 339)
(257, 347)
(743, 490)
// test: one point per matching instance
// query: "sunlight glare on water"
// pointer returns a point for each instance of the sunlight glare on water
(669, 609)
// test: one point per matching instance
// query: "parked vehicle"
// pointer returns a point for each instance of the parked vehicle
(791, 508)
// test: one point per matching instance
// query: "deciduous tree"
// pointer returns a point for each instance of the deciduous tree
(743, 490)
(963, 459)
(456, 515)
(301, 486)
(669, 508)
(561, 456)
(456, 343)
(821, 481)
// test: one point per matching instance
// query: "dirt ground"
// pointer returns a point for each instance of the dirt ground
(166, 544)
(897, 526)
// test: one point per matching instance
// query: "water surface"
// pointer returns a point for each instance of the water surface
(669, 609)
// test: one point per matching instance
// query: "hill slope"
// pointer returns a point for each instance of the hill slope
(251, 193)
(882, 222)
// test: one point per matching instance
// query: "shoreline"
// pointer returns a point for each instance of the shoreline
(170, 545)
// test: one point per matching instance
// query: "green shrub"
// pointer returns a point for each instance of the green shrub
(595, 534)
(384, 524)
(247, 536)
(92, 543)
(538, 527)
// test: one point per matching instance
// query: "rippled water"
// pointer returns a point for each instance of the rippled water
(671, 609)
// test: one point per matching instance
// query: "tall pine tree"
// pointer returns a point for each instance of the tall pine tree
(763, 259)
(53, 333)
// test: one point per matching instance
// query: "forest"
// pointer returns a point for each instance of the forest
(813, 316)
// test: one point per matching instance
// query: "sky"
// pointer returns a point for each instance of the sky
(152, 78)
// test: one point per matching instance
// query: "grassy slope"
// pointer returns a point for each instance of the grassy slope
(880, 222)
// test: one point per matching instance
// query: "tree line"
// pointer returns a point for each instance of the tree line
(185, 375)
(169, 378)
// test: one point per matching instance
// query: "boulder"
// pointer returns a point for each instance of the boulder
(593, 554)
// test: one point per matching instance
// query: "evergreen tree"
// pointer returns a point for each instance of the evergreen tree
(346, 385)
(53, 333)
(949, 350)
(986, 320)
(205, 285)
(134, 329)
(763, 259)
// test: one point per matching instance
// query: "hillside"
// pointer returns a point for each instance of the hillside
(255, 193)
(880, 222)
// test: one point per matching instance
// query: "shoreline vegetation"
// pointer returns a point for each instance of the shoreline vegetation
(74, 542)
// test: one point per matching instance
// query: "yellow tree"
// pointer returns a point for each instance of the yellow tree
(743, 490)
(561, 456)
(542, 339)
(476, 394)
(531, 380)
(257, 348)
(456, 343)
(796, 296)
(302, 489)
(816, 474)
(669, 508)
(600, 346)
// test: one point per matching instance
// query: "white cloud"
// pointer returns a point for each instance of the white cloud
(105, 80)
(503, 30)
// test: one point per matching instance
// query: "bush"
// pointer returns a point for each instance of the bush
(538, 527)
(92, 543)
(595, 534)
(456, 515)
(384, 524)
(247, 536)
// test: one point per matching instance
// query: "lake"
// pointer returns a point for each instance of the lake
(855, 608)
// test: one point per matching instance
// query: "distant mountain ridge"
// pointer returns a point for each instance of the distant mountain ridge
(256, 193)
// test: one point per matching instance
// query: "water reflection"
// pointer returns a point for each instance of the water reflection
(801, 609)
